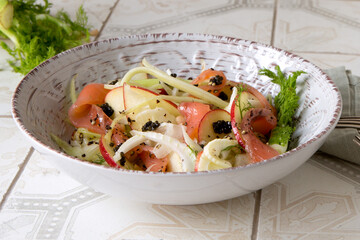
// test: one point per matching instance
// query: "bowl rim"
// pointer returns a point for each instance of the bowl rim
(158, 37)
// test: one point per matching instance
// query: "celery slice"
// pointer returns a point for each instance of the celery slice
(150, 82)
(182, 85)
(86, 152)
(73, 95)
(179, 99)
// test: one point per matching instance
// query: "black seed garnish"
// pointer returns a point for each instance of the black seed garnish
(223, 96)
(217, 80)
(222, 126)
(108, 110)
(150, 126)
(122, 161)
(113, 82)
(117, 147)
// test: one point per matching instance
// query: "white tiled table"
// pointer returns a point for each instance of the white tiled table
(320, 200)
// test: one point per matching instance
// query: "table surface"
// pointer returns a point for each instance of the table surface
(320, 200)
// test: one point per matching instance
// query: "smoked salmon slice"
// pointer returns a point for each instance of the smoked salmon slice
(86, 113)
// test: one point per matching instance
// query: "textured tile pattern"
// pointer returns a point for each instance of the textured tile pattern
(47, 204)
(318, 26)
(320, 200)
(8, 83)
(212, 17)
(13, 151)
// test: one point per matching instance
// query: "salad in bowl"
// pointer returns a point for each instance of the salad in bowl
(152, 120)
(150, 134)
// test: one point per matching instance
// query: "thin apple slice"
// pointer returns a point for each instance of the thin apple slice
(196, 169)
(115, 98)
(139, 76)
(234, 123)
(157, 114)
(135, 95)
(214, 124)
(155, 109)
(249, 98)
(174, 164)
(247, 101)
(107, 152)
(226, 92)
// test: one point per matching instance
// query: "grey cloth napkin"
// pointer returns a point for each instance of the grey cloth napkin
(340, 141)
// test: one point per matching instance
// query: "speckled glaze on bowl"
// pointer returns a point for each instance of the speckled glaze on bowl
(41, 100)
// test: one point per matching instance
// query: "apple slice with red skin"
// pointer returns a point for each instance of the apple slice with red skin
(107, 152)
(257, 150)
(134, 95)
(206, 131)
(235, 113)
(196, 169)
(225, 93)
(116, 99)
(234, 123)
(162, 92)
(126, 97)
(259, 96)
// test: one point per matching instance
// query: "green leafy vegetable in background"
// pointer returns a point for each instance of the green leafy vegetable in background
(36, 34)
(286, 103)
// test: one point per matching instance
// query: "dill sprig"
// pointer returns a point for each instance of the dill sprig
(286, 104)
(36, 35)
(236, 147)
(243, 107)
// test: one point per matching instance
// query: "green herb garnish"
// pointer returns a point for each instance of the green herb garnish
(245, 106)
(235, 147)
(193, 150)
(286, 103)
(37, 35)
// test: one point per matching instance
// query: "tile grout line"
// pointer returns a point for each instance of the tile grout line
(256, 216)
(28, 156)
(107, 19)
(273, 30)
(16, 178)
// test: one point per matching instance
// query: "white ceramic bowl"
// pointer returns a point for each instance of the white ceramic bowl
(41, 101)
